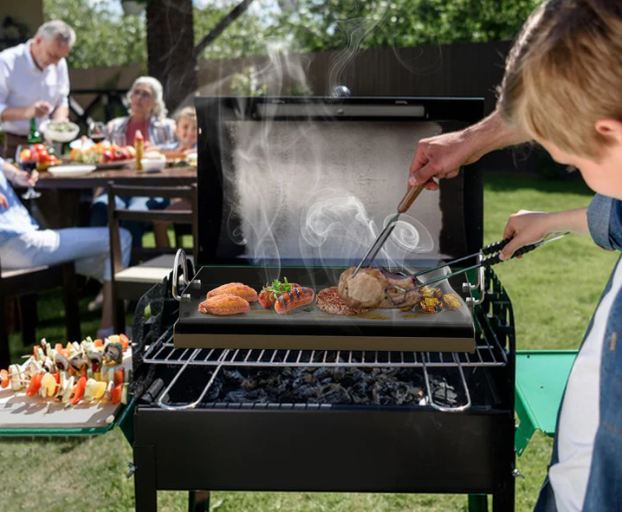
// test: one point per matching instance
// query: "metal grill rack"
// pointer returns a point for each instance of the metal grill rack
(491, 314)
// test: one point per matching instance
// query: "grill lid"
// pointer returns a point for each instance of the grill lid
(310, 181)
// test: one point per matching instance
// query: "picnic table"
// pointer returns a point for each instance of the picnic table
(170, 176)
(59, 204)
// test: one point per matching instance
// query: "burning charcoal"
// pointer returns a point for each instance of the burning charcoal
(233, 376)
(236, 396)
(334, 394)
(248, 384)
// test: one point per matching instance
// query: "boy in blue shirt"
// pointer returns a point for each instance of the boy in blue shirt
(563, 89)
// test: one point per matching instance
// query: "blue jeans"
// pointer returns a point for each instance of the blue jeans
(88, 247)
(99, 213)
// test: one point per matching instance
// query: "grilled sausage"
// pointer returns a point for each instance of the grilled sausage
(239, 289)
(224, 305)
(267, 296)
(296, 298)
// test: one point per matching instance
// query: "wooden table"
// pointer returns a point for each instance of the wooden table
(59, 204)
(125, 176)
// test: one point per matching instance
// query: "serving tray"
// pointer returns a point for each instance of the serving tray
(312, 329)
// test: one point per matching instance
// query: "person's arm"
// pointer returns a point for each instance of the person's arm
(17, 176)
(61, 114)
(527, 227)
(37, 109)
(442, 156)
(61, 107)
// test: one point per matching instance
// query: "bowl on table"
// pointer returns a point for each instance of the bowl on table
(60, 131)
(153, 163)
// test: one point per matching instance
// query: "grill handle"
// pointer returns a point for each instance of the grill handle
(180, 258)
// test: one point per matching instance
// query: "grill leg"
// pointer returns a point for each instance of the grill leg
(198, 501)
(478, 503)
(145, 492)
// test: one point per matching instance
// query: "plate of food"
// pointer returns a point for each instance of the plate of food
(60, 131)
(116, 164)
(71, 170)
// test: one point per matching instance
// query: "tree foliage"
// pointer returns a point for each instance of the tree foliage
(105, 38)
(316, 25)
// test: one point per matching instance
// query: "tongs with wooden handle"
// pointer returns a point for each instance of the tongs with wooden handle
(486, 257)
(402, 207)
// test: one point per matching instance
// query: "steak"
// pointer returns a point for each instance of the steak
(329, 301)
(375, 288)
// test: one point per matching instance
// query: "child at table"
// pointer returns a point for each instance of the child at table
(563, 89)
(185, 133)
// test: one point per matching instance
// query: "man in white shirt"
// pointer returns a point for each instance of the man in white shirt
(34, 82)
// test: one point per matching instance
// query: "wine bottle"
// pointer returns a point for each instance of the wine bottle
(34, 136)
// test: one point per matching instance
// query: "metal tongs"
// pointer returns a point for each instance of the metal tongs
(405, 204)
(485, 257)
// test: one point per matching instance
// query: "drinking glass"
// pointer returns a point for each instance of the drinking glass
(97, 131)
(28, 165)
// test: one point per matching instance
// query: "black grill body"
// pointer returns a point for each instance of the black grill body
(185, 437)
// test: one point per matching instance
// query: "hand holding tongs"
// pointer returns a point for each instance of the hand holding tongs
(405, 204)
(486, 257)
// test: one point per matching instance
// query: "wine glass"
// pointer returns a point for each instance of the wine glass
(25, 160)
(97, 131)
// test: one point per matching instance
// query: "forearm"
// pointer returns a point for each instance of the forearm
(61, 114)
(573, 221)
(9, 170)
(16, 113)
(492, 133)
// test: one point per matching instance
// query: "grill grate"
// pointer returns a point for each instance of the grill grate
(486, 354)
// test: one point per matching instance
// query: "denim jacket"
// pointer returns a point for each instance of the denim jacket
(604, 488)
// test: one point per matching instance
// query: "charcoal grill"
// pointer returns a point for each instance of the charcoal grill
(239, 414)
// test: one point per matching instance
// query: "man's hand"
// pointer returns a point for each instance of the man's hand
(3, 201)
(40, 109)
(20, 178)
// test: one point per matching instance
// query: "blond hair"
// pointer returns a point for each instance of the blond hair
(186, 113)
(564, 73)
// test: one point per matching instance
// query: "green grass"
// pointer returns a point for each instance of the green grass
(554, 291)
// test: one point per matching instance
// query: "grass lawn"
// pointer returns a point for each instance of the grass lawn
(554, 291)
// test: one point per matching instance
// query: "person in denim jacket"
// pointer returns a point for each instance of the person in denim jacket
(563, 89)
(24, 245)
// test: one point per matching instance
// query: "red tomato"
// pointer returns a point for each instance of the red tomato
(125, 341)
(78, 390)
(35, 384)
(119, 376)
(116, 394)
(4, 378)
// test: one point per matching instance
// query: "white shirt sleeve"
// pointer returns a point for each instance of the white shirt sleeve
(4, 84)
(63, 84)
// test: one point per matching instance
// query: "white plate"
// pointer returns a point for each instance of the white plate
(67, 171)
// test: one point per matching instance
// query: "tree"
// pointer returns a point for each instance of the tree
(103, 37)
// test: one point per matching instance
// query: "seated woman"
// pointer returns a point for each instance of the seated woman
(24, 245)
(147, 114)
